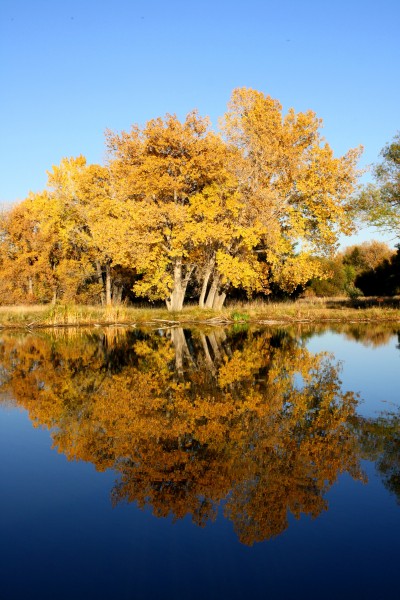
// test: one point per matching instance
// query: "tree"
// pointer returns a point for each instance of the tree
(159, 173)
(384, 279)
(346, 273)
(337, 281)
(178, 204)
(366, 256)
(379, 203)
(237, 214)
(20, 248)
(296, 192)
(85, 197)
(39, 263)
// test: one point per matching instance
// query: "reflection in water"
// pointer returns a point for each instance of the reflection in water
(370, 335)
(191, 420)
(380, 441)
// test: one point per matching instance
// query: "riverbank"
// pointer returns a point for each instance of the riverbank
(301, 311)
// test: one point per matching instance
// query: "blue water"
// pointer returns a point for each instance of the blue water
(374, 372)
(60, 537)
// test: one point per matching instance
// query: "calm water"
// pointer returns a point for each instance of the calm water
(203, 463)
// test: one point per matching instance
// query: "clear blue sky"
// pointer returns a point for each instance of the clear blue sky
(72, 68)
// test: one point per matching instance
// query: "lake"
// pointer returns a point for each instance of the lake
(200, 463)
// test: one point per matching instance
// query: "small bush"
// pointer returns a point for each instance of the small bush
(237, 316)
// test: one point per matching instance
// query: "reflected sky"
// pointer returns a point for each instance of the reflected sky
(372, 370)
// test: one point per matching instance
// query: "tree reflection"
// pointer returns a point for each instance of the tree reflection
(191, 420)
(380, 442)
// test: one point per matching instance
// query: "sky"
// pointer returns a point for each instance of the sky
(71, 69)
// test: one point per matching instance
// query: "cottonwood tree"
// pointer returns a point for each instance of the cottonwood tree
(39, 264)
(158, 171)
(86, 197)
(177, 203)
(295, 191)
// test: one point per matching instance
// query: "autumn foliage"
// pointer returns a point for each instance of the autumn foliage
(179, 207)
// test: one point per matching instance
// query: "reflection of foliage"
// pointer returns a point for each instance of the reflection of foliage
(371, 335)
(368, 334)
(380, 441)
(190, 418)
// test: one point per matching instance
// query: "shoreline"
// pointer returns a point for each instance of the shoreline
(252, 313)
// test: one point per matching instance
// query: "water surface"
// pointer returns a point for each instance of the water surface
(200, 463)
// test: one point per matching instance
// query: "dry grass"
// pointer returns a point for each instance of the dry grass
(328, 310)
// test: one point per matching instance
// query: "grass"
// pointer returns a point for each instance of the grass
(313, 310)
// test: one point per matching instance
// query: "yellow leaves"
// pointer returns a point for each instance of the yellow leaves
(239, 270)
(297, 270)
(62, 179)
(311, 187)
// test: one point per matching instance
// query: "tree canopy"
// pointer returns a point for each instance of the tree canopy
(180, 207)
(379, 203)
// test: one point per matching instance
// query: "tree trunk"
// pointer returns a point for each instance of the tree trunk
(207, 355)
(108, 284)
(217, 294)
(215, 347)
(206, 279)
(100, 280)
(177, 297)
(212, 291)
(219, 300)
(117, 293)
(175, 301)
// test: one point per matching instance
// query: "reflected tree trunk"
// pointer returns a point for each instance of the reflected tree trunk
(209, 361)
(181, 348)
(215, 346)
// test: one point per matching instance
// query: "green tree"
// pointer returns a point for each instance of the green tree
(366, 256)
(379, 203)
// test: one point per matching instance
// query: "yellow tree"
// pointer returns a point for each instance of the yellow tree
(224, 242)
(34, 261)
(19, 252)
(92, 219)
(158, 172)
(295, 190)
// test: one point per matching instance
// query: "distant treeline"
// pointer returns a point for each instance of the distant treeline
(368, 269)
